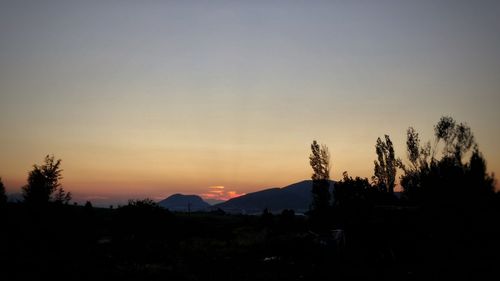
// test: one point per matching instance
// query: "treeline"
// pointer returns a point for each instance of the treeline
(444, 226)
(448, 173)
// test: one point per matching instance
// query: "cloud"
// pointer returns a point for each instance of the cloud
(233, 194)
(218, 192)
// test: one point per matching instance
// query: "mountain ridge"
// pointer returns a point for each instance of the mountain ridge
(184, 203)
(296, 196)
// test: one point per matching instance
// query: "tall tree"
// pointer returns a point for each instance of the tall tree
(319, 160)
(3, 196)
(457, 138)
(447, 178)
(349, 192)
(385, 166)
(478, 177)
(43, 182)
(419, 160)
(61, 196)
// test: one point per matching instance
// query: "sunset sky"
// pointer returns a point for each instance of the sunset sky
(150, 98)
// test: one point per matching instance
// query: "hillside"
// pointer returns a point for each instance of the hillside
(296, 196)
(184, 203)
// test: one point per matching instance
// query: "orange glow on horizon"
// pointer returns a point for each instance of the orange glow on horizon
(217, 192)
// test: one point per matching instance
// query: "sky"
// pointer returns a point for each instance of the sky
(221, 98)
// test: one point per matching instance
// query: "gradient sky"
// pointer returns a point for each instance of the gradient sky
(150, 98)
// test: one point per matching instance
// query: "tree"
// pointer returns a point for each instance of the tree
(478, 177)
(349, 191)
(419, 160)
(3, 196)
(354, 200)
(43, 182)
(142, 220)
(62, 197)
(319, 160)
(417, 155)
(88, 205)
(457, 138)
(385, 166)
(449, 178)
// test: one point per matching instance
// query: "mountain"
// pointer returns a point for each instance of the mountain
(296, 196)
(184, 203)
(213, 201)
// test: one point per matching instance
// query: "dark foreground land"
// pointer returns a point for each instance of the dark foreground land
(64, 242)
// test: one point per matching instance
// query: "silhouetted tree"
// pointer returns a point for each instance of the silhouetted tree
(88, 210)
(457, 138)
(417, 155)
(353, 199)
(478, 176)
(419, 158)
(448, 179)
(141, 219)
(452, 188)
(62, 197)
(43, 181)
(88, 205)
(320, 163)
(3, 196)
(351, 191)
(385, 166)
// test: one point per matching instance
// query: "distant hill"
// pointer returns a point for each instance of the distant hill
(213, 201)
(184, 203)
(296, 196)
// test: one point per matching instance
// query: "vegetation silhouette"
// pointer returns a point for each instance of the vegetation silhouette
(456, 196)
(320, 163)
(88, 205)
(43, 182)
(3, 195)
(447, 180)
(443, 226)
(353, 199)
(385, 167)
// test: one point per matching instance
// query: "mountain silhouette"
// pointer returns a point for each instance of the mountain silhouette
(184, 203)
(213, 201)
(296, 196)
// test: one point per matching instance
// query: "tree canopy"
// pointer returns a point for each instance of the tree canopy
(319, 160)
(453, 170)
(385, 166)
(44, 183)
(3, 196)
